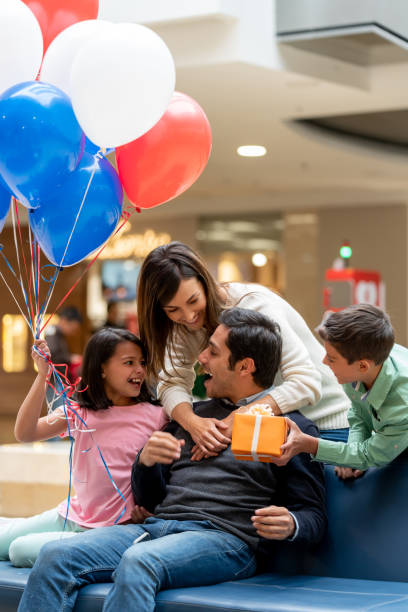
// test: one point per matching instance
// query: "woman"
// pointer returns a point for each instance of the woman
(178, 307)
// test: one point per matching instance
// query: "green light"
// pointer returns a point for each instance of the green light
(346, 251)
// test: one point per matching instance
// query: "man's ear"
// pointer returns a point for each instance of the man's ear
(246, 366)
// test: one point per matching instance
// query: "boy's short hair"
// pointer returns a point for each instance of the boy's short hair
(359, 332)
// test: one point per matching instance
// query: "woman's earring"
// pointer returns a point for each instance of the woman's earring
(103, 375)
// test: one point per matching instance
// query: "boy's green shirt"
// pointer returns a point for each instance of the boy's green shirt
(378, 418)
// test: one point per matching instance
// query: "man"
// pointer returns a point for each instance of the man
(210, 516)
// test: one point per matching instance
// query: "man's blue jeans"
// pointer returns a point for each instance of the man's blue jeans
(172, 554)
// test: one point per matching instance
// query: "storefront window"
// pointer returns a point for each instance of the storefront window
(14, 339)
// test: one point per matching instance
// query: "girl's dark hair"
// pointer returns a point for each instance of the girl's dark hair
(361, 331)
(159, 280)
(101, 346)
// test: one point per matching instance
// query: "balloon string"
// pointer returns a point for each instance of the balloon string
(50, 292)
(68, 389)
(14, 298)
(20, 279)
(97, 156)
(24, 259)
(125, 216)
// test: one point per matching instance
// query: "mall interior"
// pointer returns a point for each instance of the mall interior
(323, 87)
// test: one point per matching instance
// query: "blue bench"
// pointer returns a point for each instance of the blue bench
(361, 564)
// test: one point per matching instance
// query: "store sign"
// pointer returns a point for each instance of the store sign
(126, 245)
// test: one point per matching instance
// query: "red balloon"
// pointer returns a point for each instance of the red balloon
(56, 15)
(167, 159)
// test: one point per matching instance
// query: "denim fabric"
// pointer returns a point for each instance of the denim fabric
(171, 554)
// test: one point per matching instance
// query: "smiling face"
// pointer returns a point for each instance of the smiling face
(344, 372)
(188, 306)
(124, 373)
(222, 381)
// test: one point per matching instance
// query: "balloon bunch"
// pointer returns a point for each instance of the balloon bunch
(99, 86)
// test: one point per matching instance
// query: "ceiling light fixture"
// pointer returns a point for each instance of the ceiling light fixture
(259, 260)
(251, 151)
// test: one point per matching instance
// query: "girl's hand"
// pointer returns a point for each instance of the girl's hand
(41, 362)
(139, 514)
(161, 447)
(345, 472)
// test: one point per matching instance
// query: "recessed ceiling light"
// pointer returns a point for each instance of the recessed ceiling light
(251, 151)
(259, 260)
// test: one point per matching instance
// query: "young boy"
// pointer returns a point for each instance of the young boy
(360, 350)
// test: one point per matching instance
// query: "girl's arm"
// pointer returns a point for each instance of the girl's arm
(29, 426)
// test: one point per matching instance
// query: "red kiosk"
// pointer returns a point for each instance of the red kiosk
(345, 286)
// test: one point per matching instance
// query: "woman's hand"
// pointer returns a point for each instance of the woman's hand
(197, 453)
(139, 514)
(210, 435)
(266, 401)
(39, 359)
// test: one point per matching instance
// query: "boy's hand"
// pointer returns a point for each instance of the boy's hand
(40, 361)
(161, 447)
(274, 523)
(345, 472)
(296, 442)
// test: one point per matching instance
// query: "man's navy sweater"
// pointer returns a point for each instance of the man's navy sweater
(226, 492)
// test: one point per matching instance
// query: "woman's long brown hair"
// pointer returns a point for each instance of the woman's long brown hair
(159, 280)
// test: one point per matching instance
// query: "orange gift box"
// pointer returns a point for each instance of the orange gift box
(257, 437)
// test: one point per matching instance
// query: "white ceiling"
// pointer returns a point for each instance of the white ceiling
(251, 88)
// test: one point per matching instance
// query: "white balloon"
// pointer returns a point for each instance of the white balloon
(21, 44)
(60, 55)
(121, 84)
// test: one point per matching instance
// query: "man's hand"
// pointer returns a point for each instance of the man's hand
(208, 434)
(139, 514)
(161, 447)
(345, 472)
(274, 523)
(296, 442)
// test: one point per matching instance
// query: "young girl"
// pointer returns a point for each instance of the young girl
(120, 416)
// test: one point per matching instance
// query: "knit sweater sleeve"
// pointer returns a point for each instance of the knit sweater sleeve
(175, 384)
(301, 381)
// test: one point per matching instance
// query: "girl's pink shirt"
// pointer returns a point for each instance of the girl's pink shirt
(120, 432)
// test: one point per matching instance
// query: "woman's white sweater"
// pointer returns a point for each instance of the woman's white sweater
(303, 382)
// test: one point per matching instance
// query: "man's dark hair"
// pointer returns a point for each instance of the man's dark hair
(253, 335)
(71, 313)
(359, 332)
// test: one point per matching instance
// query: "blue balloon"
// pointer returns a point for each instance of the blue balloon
(41, 141)
(90, 147)
(5, 199)
(53, 222)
